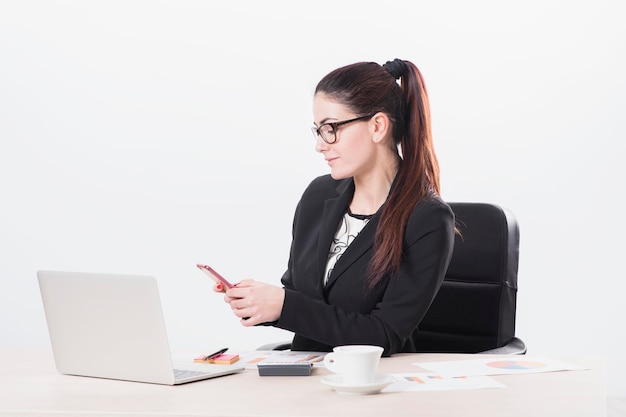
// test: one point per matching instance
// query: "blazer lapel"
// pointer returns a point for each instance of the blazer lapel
(334, 208)
(361, 244)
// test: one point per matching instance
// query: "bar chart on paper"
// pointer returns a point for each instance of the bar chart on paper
(527, 365)
(436, 382)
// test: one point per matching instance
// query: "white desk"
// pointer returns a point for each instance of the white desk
(30, 386)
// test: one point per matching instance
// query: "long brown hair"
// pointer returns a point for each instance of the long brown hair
(367, 88)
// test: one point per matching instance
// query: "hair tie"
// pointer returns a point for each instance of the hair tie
(396, 68)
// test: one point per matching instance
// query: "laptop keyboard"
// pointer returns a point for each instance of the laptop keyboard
(186, 373)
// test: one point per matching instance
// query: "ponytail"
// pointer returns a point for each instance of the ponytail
(418, 175)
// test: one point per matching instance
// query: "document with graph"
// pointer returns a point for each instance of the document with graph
(515, 364)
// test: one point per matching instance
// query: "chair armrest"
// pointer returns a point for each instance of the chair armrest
(515, 346)
(284, 345)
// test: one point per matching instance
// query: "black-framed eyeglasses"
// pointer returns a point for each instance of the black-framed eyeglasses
(328, 131)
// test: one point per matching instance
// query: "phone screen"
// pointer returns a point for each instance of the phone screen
(212, 273)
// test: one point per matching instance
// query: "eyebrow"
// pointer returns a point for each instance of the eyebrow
(324, 121)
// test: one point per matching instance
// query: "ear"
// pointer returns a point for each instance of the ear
(380, 127)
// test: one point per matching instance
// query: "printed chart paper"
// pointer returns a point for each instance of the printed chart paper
(436, 382)
(251, 359)
(516, 364)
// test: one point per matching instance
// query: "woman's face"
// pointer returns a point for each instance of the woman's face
(352, 154)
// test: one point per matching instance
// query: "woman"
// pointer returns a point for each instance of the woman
(372, 240)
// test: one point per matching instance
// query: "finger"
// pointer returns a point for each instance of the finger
(248, 321)
(239, 311)
(242, 311)
(239, 303)
(237, 292)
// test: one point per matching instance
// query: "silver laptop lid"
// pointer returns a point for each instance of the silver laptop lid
(108, 326)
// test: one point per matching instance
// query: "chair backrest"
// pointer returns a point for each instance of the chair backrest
(474, 310)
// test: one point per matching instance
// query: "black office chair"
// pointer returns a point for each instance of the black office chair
(474, 310)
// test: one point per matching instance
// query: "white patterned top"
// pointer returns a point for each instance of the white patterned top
(349, 228)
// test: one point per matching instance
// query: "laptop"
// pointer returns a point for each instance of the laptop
(111, 326)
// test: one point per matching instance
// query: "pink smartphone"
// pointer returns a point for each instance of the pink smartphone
(212, 273)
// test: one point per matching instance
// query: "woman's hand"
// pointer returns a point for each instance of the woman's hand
(255, 302)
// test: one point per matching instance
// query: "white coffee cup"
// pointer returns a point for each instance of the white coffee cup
(357, 364)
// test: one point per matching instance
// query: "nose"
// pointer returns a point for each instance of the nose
(320, 144)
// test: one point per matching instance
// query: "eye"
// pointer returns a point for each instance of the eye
(327, 129)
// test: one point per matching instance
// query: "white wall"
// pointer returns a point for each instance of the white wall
(146, 136)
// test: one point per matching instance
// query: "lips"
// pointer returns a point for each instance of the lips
(330, 160)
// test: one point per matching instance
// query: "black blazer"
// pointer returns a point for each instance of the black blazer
(343, 312)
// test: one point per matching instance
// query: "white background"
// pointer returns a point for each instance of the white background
(146, 136)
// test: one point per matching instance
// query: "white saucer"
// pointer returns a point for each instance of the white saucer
(336, 382)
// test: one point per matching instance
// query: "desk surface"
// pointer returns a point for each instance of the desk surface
(31, 386)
